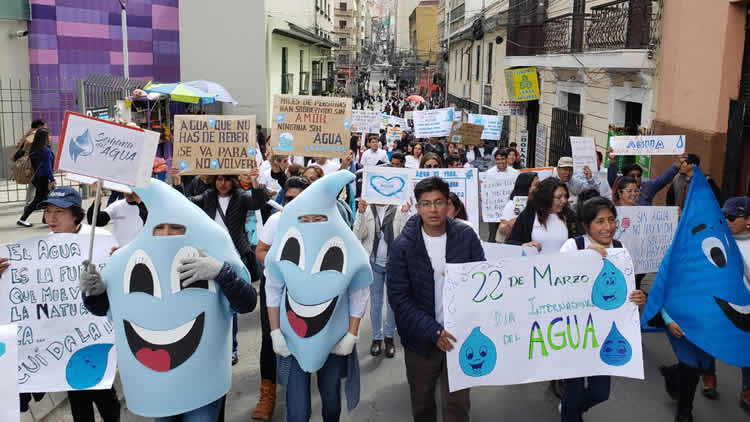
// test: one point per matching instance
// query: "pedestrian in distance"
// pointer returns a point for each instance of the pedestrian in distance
(42, 161)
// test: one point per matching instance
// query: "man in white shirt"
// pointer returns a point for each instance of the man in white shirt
(128, 216)
(282, 161)
(329, 165)
(501, 169)
(374, 155)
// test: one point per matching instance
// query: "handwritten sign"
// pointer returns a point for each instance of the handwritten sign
(61, 346)
(584, 154)
(106, 150)
(433, 123)
(546, 317)
(214, 144)
(9, 410)
(540, 154)
(387, 185)
(391, 135)
(496, 189)
(462, 182)
(311, 126)
(646, 232)
(493, 125)
(499, 251)
(365, 121)
(398, 121)
(648, 145)
(466, 133)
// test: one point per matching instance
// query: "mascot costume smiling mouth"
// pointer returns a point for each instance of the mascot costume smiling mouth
(173, 342)
(319, 264)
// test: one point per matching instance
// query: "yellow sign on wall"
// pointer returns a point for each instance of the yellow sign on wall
(522, 84)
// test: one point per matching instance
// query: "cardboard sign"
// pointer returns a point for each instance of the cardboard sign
(9, 409)
(584, 154)
(493, 125)
(546, 317)
(61, 345)
(365, 121)
(522, 84)
(311, 126)
(646, 232)
(540, 153)
(393, 134)
(106, 150)
(496, 189)
(648, 145)
(214, 144)
(387, 185)
(433, 123)
(466, 133)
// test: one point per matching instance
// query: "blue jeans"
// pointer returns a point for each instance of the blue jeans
(578, 398)
(207, 413)
(377, 293)
(329, 385)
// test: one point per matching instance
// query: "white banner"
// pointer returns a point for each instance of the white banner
(493, 125)
(463, 182)
(547, 317)
(365, 121)
(495, 190)
(61, 345)
(106, 150)
(646, 232)
(648, 145)
(500, 251)
(9, 409)
(584, 154)
(387, 185)
(433, 123)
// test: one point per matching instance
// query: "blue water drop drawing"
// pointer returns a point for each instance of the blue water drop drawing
(212, 122)
(214, 163)
(183, 164)
(81, 145)
(280, 118)
(87, 366)
(616, 350)
(347, 124)
(478, 354)
(250, 151)
(681, 142)
(2, 349)
(610, 289)
(469, 174)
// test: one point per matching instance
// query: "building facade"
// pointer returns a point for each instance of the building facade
(346, 33)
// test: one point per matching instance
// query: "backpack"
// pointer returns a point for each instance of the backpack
(22, 171)
(580, 243)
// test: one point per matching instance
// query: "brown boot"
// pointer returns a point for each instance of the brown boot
(267, 401)
(745, 401)
(709, 387)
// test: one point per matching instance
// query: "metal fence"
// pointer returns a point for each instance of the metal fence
(564, 125)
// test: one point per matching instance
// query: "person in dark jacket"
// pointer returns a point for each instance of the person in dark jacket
(415, 277)
(42, 160)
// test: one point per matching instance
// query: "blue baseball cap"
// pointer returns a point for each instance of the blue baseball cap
(63, 197)
(739, 206)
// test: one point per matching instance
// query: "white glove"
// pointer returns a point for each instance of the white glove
(199, 268)
(91, 282)
(279, 344)
(345, 346)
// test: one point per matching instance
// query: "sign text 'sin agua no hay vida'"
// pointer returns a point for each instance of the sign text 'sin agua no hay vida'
(311, 126)
(214, 144)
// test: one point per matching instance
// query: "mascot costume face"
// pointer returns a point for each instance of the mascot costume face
(700, 281)
(319, 264)
(173, 343)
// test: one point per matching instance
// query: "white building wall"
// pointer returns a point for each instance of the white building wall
(404, 10)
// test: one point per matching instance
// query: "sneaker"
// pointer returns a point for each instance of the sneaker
(684, 417)
(23, 223)
(559, 407)
(709, 387)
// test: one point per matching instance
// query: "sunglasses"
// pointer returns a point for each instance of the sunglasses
(731, 218)
(430, 166)
(288, 199)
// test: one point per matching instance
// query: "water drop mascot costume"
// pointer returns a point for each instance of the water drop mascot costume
(700, 293)
(170, 294)
(317, 288)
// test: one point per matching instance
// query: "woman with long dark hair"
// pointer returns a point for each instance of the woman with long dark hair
(42, 161)
(526, 184)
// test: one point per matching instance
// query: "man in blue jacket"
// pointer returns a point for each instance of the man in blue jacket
(415, 278)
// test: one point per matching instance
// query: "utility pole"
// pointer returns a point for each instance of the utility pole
(448, 4)
(481, 73)
(124, 16)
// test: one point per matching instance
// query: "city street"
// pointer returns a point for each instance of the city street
(385, 393)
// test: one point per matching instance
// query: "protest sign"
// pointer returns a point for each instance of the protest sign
(397, 121)
(648, 145)
(433, 123)
(540, 153)
(392, 134)
(496, 189)
(523, 146)
(466, 133)
(409, 115)
(541, 172)
(106, 150)
(387, 185)
(646, 232)
(61, 345)
(311, 126)
(214, 144)
(9, 409)
(462, 182)
(546, 317)
(365, 121)
(497, 251)
(493, 125)
(519, 203)
(584, 154)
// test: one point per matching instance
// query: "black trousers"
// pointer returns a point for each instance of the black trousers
(683, 379)
(493, 232)
(267, 355)
(82, 405)
(42, 190)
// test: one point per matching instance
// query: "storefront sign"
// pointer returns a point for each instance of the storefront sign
(540, 153)
(522, 84)
(523, 146)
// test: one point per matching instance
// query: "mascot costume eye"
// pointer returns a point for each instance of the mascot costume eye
(700, 281)
(319, 263)
(173, 343)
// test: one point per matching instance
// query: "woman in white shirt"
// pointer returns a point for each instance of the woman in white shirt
(412, 160)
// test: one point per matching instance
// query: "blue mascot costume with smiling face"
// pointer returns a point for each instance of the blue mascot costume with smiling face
(173, 343)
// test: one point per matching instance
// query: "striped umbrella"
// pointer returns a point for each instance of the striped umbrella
(181, 92)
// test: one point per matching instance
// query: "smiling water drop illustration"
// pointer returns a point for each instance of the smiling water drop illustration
(87, 366)
(616, 350)
(478, 354)
(610, 289)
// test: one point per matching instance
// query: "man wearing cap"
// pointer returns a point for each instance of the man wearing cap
(578, 184)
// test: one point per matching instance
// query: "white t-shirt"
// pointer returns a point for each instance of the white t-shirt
(265, 165)
(269, 229)
(224, 204)
(411, 162)
(370, 158)
(509, 211)
(436, 250)
(508, 170)
(570, 244)
(126, 220)
(744, 247)
(329, 167)
(553, 236)
(297, 159)
(266, 179)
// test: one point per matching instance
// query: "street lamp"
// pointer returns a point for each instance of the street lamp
(124, 16)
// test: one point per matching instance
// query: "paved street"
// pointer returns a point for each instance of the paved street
(385, 394)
